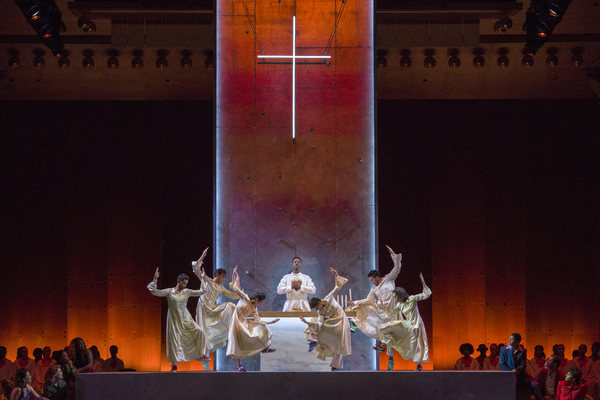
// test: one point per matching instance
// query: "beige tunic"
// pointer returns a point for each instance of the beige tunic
(213, 318)
(370, 312)
(296, 299)
(185, 341)
(408, 336)
(460, 365)
(246, 337)
(332, 330)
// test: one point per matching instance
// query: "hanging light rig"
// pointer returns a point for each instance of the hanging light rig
(45, 18)
(541, 19)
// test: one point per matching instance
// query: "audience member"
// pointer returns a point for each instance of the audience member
(544, 384)
(41, 367)
(537, 362)
(98, 361)
(113, 364)
(23, 361)
(6, 368)
(493, 361)
(571, 388)
(466, 362)
(23, 389)
(482, 357)
(55, 388)
(81, 356)
(69, 371)
(559, 350)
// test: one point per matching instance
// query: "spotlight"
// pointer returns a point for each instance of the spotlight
(161, 63)
(552, 60)
(39, 62)
(88, 63)
(14, 62)
(381, 60)
(527, 61)
(577, 60)
(90, 28)
(64, 62)
(540, 20)
(454, 62)
(112, 62)
(45, 18)
(429, 62)
(82, 22)
(478, 61)
(503, 24)
(405, 62)
(186, 62)
(137, 63)
(503, 61)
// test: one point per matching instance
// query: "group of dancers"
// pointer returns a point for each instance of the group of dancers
(388, 314)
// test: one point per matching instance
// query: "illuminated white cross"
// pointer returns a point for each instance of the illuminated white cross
(293, 57)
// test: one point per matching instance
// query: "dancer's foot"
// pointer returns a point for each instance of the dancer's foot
(419, 368)
(173, 368)
(390, 366)
(380, 347)
(352, 326)
(203, 358)
(311, 346)
(333, 369)
(240, 369)
(269, 350)
(206, 366)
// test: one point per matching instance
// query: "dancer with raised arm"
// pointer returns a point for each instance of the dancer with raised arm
(185, 340)
(332, 330)
(407, 335)
(376, 308)
(246, 337)
(213, 318)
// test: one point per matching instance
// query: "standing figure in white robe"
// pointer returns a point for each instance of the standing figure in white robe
(377, 308)
(407, 336)
(213, 318)
(185, 340)
(296, 286)
(246, 337)
(332, 330)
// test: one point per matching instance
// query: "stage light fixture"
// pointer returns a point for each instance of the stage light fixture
(209, 63)
(87, 63)
(478, 61)
(577, 60)
(503, 24)
(137, 63)
(39, 62)
(503, 61)
(540, 20)
(112, 62)
(429, 62)
(64, 62)
(527, 61)
(161, 63)
(14, 62)
(454, 62)
(45, 18)
(405, 62)
(552, 60)
(186, 62)
(381, 61)
(90, 28)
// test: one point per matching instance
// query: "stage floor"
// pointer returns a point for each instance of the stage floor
(350, 385)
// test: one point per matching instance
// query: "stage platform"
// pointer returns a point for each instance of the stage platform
(350, 385)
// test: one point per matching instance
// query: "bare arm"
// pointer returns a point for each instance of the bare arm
(153, 289)
(426, 291)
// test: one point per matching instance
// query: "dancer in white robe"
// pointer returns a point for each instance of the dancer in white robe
(332, 330)
(185, 340)
(377, 308)
(408, 336)
(296, 286)
(213, 318)
(246, 337)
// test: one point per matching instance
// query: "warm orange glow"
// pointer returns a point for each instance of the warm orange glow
(542, 34)
(47, 35)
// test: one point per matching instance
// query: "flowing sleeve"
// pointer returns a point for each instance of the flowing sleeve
(369, 301)
(284, 286)
(228, 293)
(339, 282)
(391, 277)
(309, 286)
(424, 295)
(156, 292)
(196, 268)
(197, 293)
(236, 289)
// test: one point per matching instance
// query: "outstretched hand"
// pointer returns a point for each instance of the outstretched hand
(202, 256)
(334, 272)
(156, 274)
(422, 279)
(390, 249)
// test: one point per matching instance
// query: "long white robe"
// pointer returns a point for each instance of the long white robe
(296, 299)
(370, 312)
(408, 336)
(332, 330)
(30, 365)
(586, 366)
(185, 341)
(492, 364)
(213, 318)
(533, 368)
(40, 373)
(246, 337)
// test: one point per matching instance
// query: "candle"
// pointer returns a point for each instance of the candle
(350, 291)
(345, 301)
